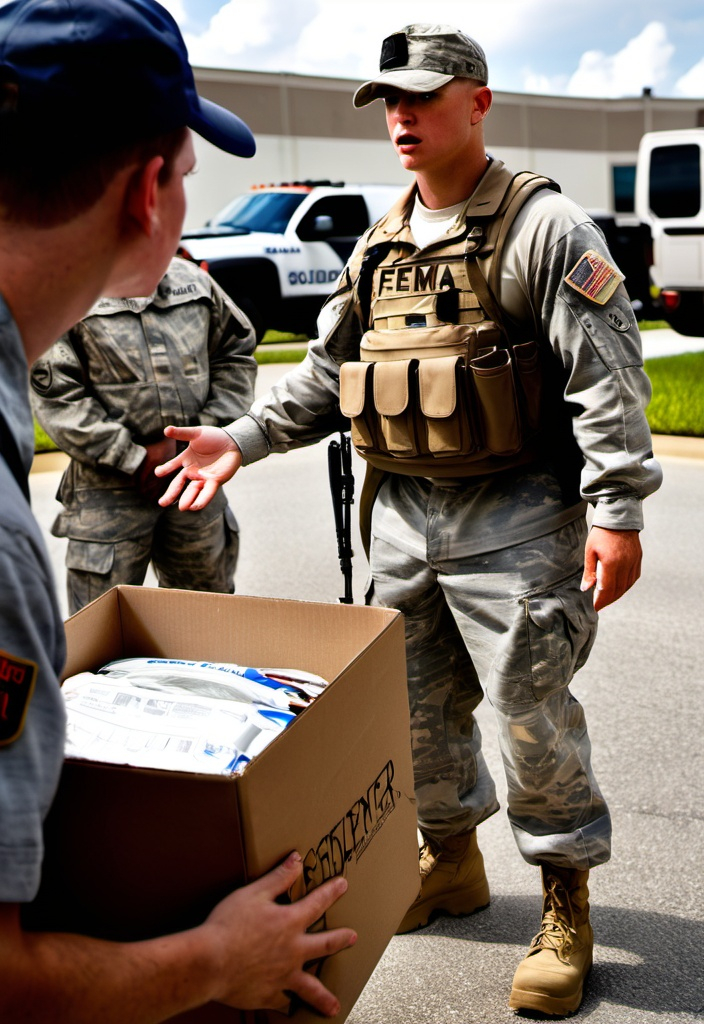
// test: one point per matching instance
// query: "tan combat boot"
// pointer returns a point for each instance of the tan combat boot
(551, 977)
(452, 879)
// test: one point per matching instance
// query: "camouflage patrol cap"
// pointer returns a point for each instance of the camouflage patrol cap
(422, 58)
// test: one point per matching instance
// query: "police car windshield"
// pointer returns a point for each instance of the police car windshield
(262, 211)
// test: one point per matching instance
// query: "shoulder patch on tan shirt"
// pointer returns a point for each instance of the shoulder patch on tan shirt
(594, 277)
(17, 679)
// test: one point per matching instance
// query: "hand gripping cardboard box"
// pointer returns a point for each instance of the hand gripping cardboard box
(132, 853)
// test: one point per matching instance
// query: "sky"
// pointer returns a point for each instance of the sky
(601, 48)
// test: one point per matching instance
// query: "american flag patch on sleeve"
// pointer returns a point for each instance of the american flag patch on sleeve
(594, 277)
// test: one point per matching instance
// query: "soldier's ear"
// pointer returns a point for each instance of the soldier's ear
(141, 194)
(482, 103)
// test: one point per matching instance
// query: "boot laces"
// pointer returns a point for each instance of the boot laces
(558, 930)
(429, 854)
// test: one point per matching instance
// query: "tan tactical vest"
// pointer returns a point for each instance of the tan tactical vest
(441, 388)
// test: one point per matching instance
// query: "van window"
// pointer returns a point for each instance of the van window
(624, 184)
(675, 181)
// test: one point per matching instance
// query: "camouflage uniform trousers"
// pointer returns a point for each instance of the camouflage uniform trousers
(515, 623)
(188, 550)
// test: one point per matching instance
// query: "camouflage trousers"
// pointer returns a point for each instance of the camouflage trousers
(189, 551)
(513, 623)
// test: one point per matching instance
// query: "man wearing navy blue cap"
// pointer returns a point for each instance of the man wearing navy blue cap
(96, 102)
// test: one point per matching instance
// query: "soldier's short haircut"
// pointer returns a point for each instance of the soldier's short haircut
(44, 183)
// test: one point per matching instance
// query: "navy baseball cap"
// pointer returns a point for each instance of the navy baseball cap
(104, 71)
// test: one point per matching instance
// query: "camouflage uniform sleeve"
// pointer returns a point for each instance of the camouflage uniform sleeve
(598, 343)
(73, 417)
(233, 368)
(304, 406)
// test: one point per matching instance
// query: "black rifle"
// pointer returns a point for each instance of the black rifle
(342, 489)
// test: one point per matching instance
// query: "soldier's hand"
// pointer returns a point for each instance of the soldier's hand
(264, 946)
(612, 560)
(210, 460)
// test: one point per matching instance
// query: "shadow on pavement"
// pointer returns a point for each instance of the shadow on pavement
(643, 960)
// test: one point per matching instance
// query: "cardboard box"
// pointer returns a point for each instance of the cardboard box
(133, 853)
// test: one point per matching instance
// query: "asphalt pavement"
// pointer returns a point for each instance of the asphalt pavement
(642, 692)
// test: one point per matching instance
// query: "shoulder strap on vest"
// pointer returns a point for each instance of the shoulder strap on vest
(515, 191)
(520, 190)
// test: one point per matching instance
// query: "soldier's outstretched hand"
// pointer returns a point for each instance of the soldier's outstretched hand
(210, 460)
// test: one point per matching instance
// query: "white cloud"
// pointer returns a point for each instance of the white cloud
(176, 9)
(237, 26)
(550, 85)
(692, 82)
(643, 62)
(345, 36)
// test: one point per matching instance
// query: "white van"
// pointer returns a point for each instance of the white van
(670, 200)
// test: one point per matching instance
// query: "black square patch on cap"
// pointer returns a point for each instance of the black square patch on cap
(17, 679)
(394, 52)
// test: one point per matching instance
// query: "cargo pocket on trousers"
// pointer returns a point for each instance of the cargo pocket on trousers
(561, 626)
(90, 556)
(497, 407)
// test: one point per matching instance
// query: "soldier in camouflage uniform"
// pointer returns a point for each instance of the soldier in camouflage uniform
(104, 393)
(484, 348)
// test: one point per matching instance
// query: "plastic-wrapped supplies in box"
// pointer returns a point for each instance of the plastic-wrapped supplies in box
(177, 715)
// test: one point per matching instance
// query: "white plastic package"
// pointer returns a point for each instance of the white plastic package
(174, 715)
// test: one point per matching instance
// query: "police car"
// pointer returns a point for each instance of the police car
(278, 249)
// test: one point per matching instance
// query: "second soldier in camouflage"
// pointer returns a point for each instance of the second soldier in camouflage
(104, 393)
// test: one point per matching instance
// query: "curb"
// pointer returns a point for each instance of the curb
(49, 462)
(671, 446)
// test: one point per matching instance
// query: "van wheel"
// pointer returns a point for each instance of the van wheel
(688, 318)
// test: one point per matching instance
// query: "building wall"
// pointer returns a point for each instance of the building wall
(306, 127)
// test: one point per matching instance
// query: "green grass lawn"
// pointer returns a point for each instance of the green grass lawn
(274, 337)
(677, 406)
(42, 441)
(279, 355)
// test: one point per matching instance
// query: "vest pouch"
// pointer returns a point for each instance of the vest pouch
(497, 407)
(420, 343)
(530, 378)
(445, 421)
(395, 385)
(357, 403)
